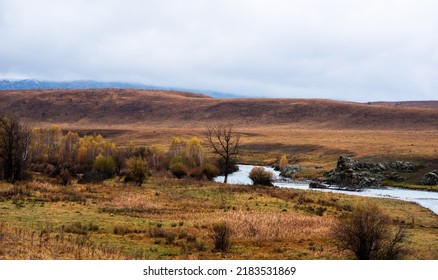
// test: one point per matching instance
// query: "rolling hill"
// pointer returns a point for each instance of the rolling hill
(103, 107)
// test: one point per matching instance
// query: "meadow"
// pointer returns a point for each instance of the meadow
(169, 218)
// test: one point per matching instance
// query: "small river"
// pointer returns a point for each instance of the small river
(424, 198)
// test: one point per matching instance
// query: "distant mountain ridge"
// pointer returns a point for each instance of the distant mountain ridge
(32, 84)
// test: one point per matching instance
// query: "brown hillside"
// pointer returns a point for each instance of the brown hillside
(432, 104)
(171, 108)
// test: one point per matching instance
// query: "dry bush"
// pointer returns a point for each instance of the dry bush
(65, 176)
(178, 170)
(221, 233)
(138, 170)
(260, 176)
(368, 234)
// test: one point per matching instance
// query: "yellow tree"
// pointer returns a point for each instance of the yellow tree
(38, 149)
(177, 147)
(138, 169)
(194, 153)
(46, 144)
(91, 146)
(158, 156)
(283, 163)
(53, 143)
(69, 148)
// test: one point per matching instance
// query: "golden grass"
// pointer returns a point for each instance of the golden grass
(135, 202)
(262, 226)
(171, 219)
(27, 244)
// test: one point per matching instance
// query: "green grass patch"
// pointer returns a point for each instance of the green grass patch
(410, 186)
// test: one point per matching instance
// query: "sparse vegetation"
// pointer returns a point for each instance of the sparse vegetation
(131, 222)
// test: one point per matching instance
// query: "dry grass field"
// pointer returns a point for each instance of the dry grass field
(172, 219)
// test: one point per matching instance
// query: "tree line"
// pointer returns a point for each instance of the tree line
(66, 154)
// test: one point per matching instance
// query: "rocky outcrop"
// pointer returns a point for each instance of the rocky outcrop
(355, 174)
(430, 178)
(358, 174)
(394, 176)
(405, 166)
(317, 185)
(290, 171)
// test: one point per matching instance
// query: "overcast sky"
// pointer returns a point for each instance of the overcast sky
(355, 50)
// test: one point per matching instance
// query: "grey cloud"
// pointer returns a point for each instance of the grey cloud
(349, 50)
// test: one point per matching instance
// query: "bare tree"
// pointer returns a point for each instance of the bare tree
(14, 148)
(368, 234)
(225, 142)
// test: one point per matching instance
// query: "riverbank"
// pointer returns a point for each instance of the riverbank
(404, 185)
(424, 198)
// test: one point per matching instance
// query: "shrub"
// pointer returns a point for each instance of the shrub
(170, 238)
(138, 170)
(221, 234)
(79, 228)
(122, 230)
(368, 234)
(178, 170)
(209, 170)
(283, 163)
(65, 176)
(205, 171)
(105, 165)
(194, 153)
(92, 177)
(260, 176)
(177, 167)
